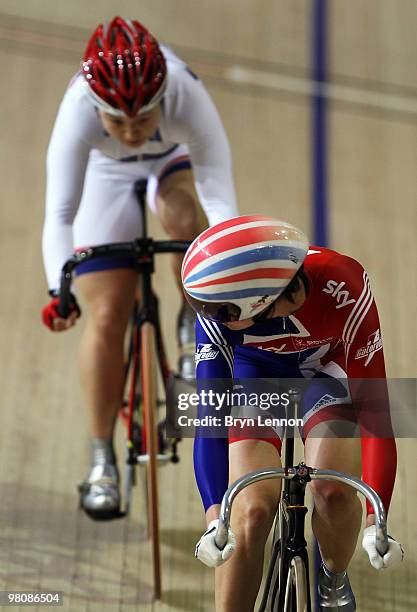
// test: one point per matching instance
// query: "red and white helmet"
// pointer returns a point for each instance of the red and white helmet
(124, 68)
(236, 269)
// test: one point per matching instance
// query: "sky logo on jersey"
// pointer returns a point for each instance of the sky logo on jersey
(205, 352)
(335, 289)
(373, 345)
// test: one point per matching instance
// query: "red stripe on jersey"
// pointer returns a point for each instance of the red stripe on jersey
(248, 275)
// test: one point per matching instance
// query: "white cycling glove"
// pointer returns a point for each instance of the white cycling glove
(393, 556)
(206, 549)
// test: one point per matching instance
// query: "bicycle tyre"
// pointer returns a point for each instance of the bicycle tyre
(270, 599)
(279, 538)
(274, 585)
(296, 599)
(149, 399)
(272, 578)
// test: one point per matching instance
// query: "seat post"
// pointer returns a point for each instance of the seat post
(145, 253)
(140, 188)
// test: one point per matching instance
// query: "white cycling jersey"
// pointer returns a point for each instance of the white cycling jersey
(90, 175)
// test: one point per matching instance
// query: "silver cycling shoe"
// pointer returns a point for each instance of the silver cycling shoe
(99, 493)
(335, 592)
(186, 342)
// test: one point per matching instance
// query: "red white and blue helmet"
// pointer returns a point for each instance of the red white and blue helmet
(124, 68)
(237, 268)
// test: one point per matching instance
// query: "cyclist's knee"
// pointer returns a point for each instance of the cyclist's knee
(331, 498)
(180, 214)
(109, 319)
(255, 518)
(180, 219)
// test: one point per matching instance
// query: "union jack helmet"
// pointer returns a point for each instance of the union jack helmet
(124, 68)
(237, 268)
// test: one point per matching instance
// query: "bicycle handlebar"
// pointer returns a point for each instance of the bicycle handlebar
(142, 248)
(314, 474)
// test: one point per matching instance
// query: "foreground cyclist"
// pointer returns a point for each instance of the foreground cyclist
(268, 307)
(134, 111)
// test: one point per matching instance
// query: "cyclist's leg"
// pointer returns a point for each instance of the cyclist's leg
(108, 213)
(337, 515)
(108, 296)
(238, 580)
(173, 196)
(250, 448)
(337, 510)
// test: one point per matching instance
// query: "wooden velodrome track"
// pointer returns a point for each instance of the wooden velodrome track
(254, 58)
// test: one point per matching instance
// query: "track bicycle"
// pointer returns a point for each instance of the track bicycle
(146, 441)
(287, 585)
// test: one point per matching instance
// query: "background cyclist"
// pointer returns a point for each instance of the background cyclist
(271, 307)
(133, 111)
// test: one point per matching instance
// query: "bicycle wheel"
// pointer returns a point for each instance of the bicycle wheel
(270, 598)
(149, 397)
(271, 594)
(129, 411)
(296, 599)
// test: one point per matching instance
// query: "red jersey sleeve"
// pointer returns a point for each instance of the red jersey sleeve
(365, 367)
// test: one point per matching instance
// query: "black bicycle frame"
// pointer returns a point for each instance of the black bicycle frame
(292, 542)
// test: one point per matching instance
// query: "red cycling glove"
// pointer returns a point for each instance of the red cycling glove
(50, 311)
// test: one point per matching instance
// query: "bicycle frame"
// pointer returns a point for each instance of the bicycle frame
(149, 339)
(291, 544)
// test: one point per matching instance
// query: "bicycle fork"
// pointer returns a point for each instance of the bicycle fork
(292, 538)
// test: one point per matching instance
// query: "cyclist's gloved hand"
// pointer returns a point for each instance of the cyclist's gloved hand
(52, 319)
(393, 556)
(207, 551)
